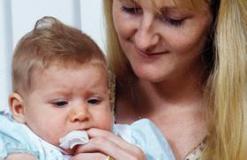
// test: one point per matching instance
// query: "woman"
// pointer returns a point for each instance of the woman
(182, 64)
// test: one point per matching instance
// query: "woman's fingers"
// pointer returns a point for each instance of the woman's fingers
(106, 147)
(109, 144)
(109, 136)
(89, 156)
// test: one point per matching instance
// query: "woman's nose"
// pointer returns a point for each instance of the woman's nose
(79, 114)
(146, 36)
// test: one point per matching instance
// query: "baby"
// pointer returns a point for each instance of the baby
(61, 88)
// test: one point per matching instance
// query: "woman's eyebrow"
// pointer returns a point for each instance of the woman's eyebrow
(173, 9)
(127, 1)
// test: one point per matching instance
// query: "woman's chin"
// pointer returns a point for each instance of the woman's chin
(150, 77)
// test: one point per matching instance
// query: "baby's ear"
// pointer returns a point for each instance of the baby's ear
(16, 104)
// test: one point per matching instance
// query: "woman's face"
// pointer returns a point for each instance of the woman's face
(164, 41)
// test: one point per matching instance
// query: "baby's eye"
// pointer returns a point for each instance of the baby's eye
(94, 100)
(61, 103)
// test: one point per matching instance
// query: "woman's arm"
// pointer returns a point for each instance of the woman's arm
(21, 156)
(104, 143)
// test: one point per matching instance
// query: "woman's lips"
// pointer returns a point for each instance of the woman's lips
(151, 54)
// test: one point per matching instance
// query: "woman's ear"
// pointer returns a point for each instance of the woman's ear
(17, 107)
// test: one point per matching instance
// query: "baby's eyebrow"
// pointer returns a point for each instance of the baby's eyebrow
(57, 93)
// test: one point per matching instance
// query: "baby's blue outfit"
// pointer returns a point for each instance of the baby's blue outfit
(18, 138)
(144, 134)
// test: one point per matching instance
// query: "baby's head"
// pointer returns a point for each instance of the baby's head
(60, 82)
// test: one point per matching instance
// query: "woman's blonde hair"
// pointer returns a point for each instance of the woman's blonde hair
(227, 90)
(226, 85)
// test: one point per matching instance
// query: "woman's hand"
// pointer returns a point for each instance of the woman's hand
(104, 143)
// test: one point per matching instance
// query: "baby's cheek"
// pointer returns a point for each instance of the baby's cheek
(53, 138)
(106, 123)
(53, 134)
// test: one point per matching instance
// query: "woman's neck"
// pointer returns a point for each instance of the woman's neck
(175, 106)
(145, 99)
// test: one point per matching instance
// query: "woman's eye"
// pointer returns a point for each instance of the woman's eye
(173, 21)
(60, 103)
(94, 101)
(132, 10)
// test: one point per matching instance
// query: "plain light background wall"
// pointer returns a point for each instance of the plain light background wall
(92, 20)
(5, 50)
(18, 17)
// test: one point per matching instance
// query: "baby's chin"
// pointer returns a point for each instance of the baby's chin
(67, 151)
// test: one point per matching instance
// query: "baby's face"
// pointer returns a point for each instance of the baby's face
(65, 99)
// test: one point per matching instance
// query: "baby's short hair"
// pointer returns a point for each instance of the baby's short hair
(51, 42)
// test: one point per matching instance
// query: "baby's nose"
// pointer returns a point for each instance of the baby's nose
(79, 115)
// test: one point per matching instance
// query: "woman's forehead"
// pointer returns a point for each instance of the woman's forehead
(189, 4)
